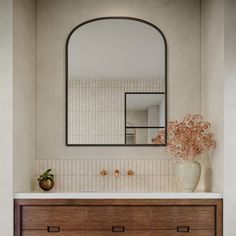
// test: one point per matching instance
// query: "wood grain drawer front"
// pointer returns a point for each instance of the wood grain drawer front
(129, 217)
(194, 217)
(109, 233)
(64, 217)
(45, 233)
(175, 233)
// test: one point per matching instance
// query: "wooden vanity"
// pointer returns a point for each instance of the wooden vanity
(118, 217)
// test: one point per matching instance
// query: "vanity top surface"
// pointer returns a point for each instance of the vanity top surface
(116, 195)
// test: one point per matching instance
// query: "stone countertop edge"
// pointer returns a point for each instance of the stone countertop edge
(117, 195)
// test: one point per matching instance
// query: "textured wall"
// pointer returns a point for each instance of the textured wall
(229, 119)
(6, 110)
(24, 93)
(179, 21)
(212, 94)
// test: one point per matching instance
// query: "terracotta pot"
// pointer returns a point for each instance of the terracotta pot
(46, 185)
(187, 174)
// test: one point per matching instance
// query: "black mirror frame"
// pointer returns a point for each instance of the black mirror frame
(66, 87)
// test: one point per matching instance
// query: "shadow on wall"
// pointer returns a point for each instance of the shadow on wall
(208, 178)
(206, 181)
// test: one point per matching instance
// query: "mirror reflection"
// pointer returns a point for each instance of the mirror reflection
(145, 117)
(107, 59)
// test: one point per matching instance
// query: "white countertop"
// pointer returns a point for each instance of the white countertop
(116, 195)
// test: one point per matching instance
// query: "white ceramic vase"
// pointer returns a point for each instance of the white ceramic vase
(187, 174)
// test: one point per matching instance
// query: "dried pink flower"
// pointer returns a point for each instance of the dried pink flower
(188, 138)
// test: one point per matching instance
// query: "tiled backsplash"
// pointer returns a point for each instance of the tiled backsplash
(84, 175)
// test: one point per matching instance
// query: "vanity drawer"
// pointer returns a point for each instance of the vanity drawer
(46, 233)
(109, 233)
(194, 217)
(42, 217)
(175, 233)
(99, 217)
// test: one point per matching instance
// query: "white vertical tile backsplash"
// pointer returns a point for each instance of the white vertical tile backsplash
(84, 175)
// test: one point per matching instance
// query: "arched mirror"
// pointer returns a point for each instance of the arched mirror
(116, 75)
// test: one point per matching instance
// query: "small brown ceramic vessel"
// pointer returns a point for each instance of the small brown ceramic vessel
(46, 185)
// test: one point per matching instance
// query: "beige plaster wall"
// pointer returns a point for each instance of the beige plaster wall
(229, 118)
(180, 23)
(6, 121)
(24, 93)
(212, 83)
